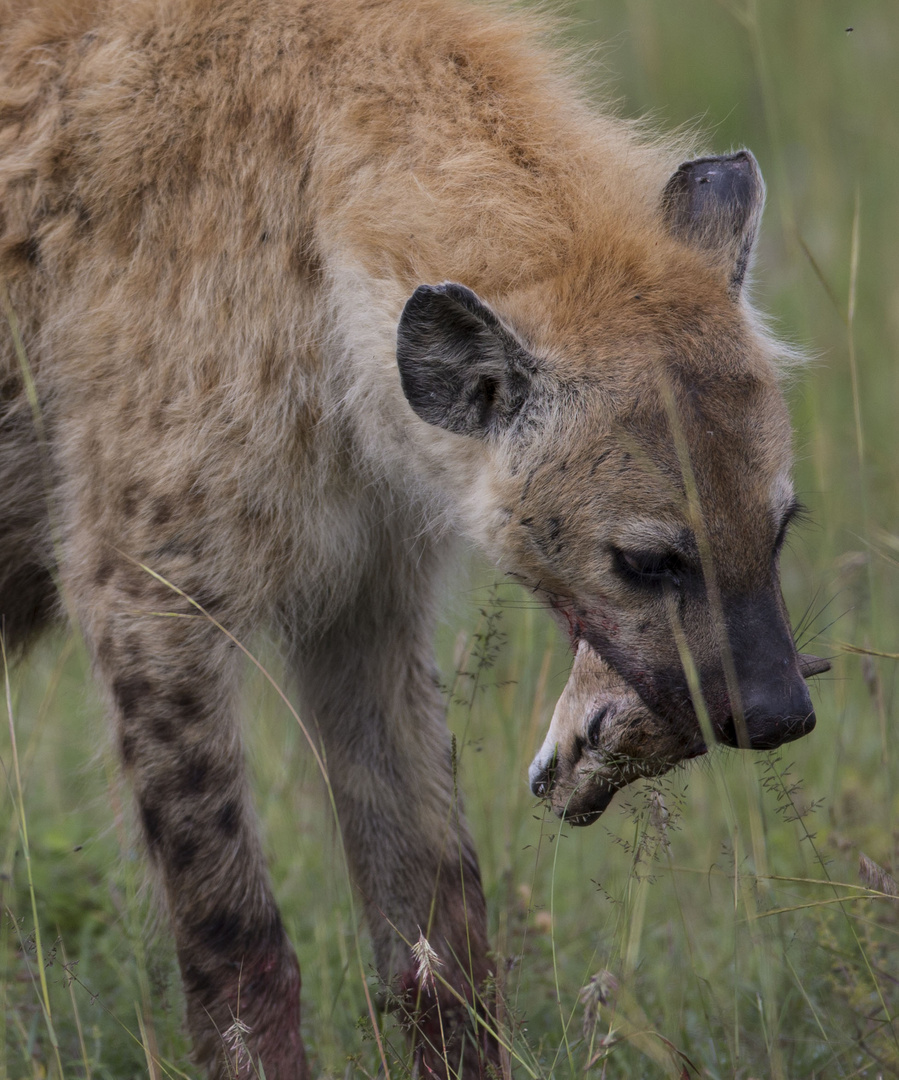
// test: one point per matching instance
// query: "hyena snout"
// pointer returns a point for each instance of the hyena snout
(774, 703)
(776, 709)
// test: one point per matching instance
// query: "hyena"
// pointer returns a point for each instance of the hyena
(301, 292)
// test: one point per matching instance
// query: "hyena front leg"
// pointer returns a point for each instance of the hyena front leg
(369, 683)
(172, 677)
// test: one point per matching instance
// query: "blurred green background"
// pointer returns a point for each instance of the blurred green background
(722, 915)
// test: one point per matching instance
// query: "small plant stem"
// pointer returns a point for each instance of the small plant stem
(860, 441)
(552, 937)
(840, 901)
(145, 1043)
(71, 986)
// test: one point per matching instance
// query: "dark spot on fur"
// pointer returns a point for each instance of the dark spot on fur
(186, 702)
(103, 650)
(224, 932)
(228, 818)
(162, 511)
(524, 159)
(136, 584)
(527, 484)
(527, 522)
(196, 981)
(129, 692)
(82, 215)
(132, 497)
(596, 464)
(555, 528)
(151, 819)
(129, 749)
(159, 420)
(133, 649)
(196, 773)
(209, 601)
(28, 251)
(162, 729)
(220, 932)
(177, 546)
(104, 571)
(183, 852)
(305, 261)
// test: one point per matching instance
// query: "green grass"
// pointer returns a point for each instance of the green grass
(738, 933)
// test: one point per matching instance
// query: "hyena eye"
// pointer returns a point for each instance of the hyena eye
(795, 512)
(649, 567)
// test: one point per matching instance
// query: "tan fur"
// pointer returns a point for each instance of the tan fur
(212, 213)
(602, 737)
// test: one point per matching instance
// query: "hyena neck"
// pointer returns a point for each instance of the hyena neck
(448, 478)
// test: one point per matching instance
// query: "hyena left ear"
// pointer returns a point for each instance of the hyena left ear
(461, 369)
(715, 203)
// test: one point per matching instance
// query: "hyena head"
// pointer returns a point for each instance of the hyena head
(637, 457)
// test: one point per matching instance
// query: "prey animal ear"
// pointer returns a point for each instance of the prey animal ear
(460, 368)
(715, 203)
(812, 665)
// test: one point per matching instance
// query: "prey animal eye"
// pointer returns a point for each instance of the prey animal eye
(594, 728)
(650, 568)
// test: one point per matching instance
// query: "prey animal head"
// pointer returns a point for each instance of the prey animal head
(603, 737)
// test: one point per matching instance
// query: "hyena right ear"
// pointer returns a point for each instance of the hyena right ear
(715, 203)
(460, 367)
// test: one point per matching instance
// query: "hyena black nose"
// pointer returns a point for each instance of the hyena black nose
(774, 715)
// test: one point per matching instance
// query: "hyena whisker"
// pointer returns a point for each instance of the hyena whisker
(807, 618)
(812, 614)
(805, 636)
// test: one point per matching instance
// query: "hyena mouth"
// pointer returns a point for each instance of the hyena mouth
(603, 737)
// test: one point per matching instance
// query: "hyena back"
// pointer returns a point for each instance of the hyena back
(223, 226)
